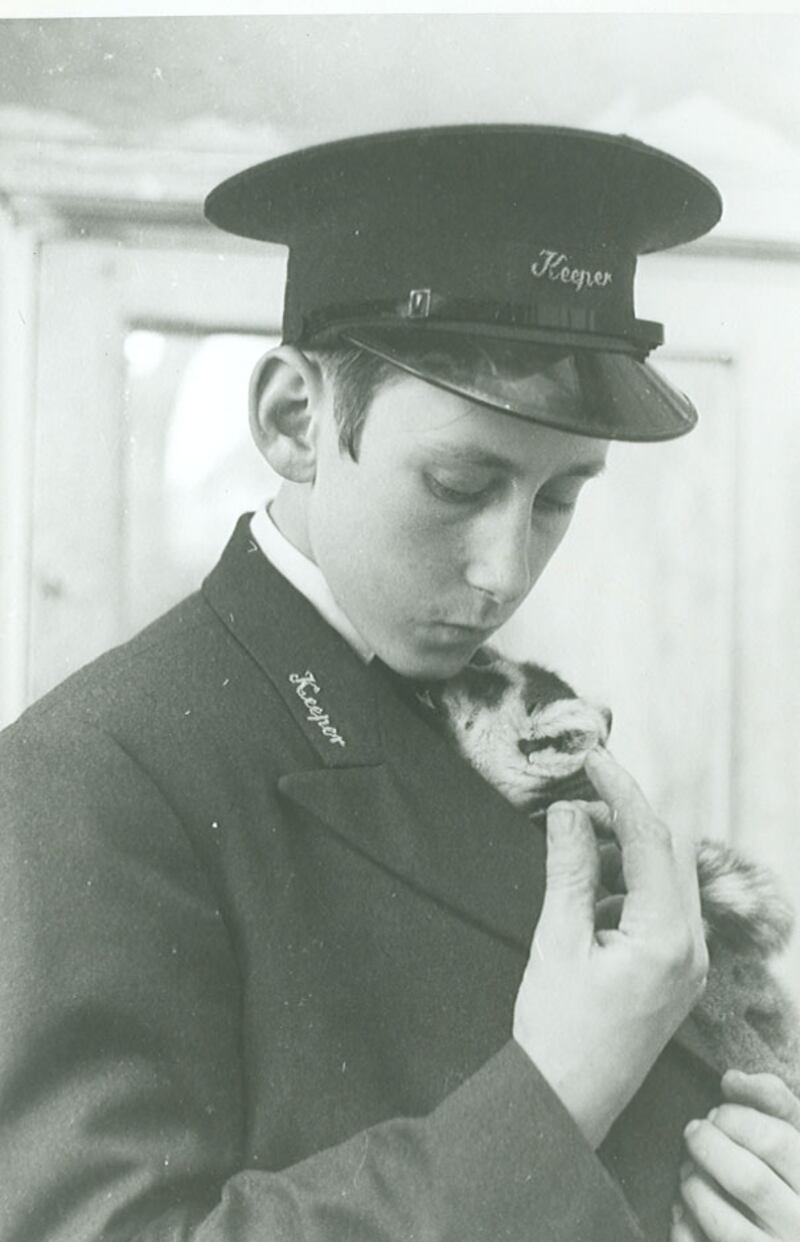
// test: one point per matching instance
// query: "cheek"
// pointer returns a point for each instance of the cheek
(546, 536)
(415, 557)
(375, 540)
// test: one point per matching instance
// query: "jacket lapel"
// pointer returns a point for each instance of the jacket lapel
(425, 815)
(385, 779)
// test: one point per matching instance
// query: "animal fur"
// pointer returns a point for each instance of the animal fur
(528, 734)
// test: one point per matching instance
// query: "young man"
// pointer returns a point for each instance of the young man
(269, 969)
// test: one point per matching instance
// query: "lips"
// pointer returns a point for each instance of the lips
(467, 627)
(473, 632)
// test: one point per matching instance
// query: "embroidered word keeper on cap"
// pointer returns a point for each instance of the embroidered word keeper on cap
(496, 261)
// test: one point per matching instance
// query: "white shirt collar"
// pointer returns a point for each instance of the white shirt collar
(306, 577)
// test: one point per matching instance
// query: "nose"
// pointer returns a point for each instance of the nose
(502, 560)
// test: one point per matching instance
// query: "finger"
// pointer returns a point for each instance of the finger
(766, 1092)
(774, 1141)
(616, 787)
(602, 818)
(745, 1178)
(684, 1228)
(567, 917)
(627, 802)
(716, 1217)
(660, 873)
(601, 815)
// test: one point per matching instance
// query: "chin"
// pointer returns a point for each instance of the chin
(430, 665)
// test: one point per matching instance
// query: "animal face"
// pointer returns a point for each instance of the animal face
(520, 726)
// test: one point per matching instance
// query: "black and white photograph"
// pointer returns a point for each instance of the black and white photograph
(399, 626)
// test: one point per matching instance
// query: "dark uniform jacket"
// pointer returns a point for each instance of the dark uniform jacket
(262, 931)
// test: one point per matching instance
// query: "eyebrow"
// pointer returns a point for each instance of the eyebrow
(482, 457)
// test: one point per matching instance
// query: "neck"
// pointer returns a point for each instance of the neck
(289, 512)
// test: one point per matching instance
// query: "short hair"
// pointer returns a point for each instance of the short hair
(465, 365)
(356, 376)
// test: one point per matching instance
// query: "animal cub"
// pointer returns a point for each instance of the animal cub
(527, 732)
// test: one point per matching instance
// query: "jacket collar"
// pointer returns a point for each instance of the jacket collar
(384, 779)
(316, 672)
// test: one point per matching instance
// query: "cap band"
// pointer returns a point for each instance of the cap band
(548, 323)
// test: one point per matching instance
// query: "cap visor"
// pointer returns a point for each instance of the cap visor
(605, 394)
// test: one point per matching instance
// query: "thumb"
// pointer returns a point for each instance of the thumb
(567, 917)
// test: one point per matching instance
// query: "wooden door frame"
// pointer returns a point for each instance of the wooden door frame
(55, 189)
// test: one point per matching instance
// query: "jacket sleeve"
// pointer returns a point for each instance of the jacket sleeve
(122, 1105)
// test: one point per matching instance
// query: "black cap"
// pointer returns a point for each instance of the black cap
(496, 261)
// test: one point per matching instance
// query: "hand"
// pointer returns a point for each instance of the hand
(742, 1183)
(597, 1005)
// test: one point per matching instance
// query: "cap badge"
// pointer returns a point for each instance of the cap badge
(556, 265)
(303, 683)
(419, 303)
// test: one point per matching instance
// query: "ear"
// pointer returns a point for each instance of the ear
(287, 393)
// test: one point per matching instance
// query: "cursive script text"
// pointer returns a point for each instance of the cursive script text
(303, 683)
(556, 266)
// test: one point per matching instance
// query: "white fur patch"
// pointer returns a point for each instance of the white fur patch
(489, 737)
(738, 893)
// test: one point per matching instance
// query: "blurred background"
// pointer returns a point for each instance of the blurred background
(128, 330)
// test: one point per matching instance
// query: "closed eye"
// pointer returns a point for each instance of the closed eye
(554, 505)
(453, 494)
(561, 495)
(465, 493)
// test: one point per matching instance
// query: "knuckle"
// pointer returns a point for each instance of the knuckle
(741, 1231)
(756, 1187)
(682, 966)
(568, 880)
(769, 1140)
(692, 1188)
(728, 1118)
(660, 833)
(645, 828)
(678, 952)
(662, 960)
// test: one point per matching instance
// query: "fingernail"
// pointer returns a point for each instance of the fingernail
(677, 1213)
(691, 1128)
(712, 1116)
(685, 1170)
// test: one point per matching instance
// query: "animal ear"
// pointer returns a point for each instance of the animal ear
(486, 657)
(485, 684)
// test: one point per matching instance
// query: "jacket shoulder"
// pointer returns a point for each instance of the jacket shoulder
(181, 697)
